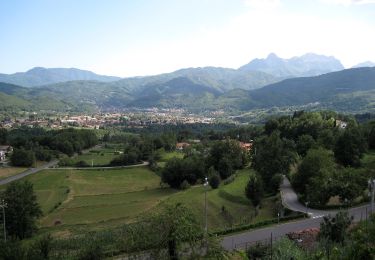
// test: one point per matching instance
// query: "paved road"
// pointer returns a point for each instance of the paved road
(28, 172)
(104, 167)
(289, 199)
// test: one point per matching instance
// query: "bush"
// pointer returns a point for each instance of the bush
(184, 185)
(214, 181)
(82, 164)
(258, 251)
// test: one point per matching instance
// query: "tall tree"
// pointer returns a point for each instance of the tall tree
(272, 155)
(350, 147)
(23, 209)
(254, 189)
(22, 157)
(317, 164)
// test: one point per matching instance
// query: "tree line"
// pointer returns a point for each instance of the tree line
(31, 144)
(325, 149)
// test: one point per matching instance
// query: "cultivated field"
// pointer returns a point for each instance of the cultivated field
(73, 199)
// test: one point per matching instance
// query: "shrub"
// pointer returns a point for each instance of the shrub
(184, 185)
(214, 181)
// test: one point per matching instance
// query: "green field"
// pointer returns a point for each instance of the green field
(97, 159)
(101, 156)
(73, 199)
(165, 156)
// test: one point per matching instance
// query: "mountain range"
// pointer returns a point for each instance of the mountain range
(203, 89)
(309, 64)
(41, 76)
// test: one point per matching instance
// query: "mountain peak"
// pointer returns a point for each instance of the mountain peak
(272, 56)
(309, 64)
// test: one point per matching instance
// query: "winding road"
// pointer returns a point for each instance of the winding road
(289, 199)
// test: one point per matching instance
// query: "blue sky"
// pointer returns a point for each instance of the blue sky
(138, 37)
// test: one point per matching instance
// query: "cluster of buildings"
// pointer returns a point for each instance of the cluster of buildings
(95, 121)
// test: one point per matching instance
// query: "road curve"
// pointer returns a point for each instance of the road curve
(290, 201)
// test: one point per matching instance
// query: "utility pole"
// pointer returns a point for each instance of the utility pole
(3, 205)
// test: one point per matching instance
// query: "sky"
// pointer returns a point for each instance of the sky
(146, 37)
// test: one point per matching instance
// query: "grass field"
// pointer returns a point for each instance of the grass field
(165, 156)
(99, 157)
(6, 172)
(90, 199)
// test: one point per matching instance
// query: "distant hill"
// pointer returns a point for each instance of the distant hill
(42, 76)
(202, 89)
(309, 64)
(348, 89)
(365, 64)
(16, 98)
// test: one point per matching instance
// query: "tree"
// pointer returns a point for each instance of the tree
(225, 168)
(350, 147)
(227, 154)
(317, 163)
(3, 136)
(254, 189)
(22, 157)
(23, 209)
(178, 170)
(273, 155)
(348, 184)
(176, 225)
(304, 143)
(334, 228)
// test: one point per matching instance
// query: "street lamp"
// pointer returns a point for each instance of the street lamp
(278, 217)
(205, 184)
(371, 185)
(3, 205)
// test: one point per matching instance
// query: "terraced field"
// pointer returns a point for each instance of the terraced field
(90, 198)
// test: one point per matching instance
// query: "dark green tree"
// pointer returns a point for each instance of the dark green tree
(22, 157)
(3, 136)
(272, 155)
(350, 147)
(304, 143)
(348, 184)
(254, 189)
(23, 209)
(318, 164)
